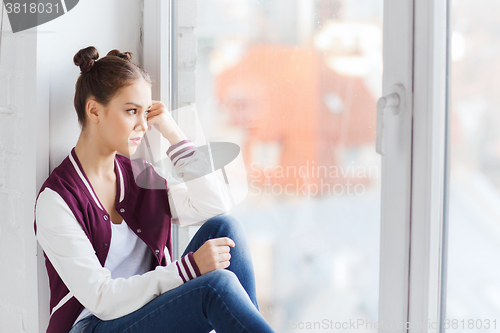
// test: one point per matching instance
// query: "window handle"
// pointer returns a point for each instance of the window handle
(394, 102)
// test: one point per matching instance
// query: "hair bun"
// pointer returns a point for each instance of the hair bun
(85, 58)
(123, 55)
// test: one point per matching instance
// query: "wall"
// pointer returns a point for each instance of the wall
(18, 116)
(37, 78)
(187, 53)
(38, 128)
(187, 15)
(107, 25)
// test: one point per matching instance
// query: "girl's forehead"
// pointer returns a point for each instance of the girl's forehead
(137, 93)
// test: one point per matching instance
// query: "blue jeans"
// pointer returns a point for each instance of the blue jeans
(224, 299)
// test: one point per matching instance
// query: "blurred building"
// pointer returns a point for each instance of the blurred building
(299, 115)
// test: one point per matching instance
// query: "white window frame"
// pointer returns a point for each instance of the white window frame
(426, 290)
(159, 60)
(414, 168)
(396, 167)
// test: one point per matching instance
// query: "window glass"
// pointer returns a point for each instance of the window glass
(473, 288)
(295, 85)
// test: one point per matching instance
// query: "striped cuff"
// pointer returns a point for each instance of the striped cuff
(180, 150)
(187, 268)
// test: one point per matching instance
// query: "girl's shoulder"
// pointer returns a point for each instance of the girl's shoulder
(68, 182)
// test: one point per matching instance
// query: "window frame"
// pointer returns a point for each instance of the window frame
(414, 165)
(396, 168)
(159, 54)
(427, 288)
(413, 252)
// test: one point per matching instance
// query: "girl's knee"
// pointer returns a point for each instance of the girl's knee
(225, 285)
(223, 275)
(223, 279)
(227, 223)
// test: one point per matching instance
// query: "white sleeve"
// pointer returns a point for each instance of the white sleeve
(201, 196)
(73, 257)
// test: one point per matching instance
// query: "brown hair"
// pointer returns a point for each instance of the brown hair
(103, 78)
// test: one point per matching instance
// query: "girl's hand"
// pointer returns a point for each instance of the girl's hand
(214, 254)
(162, 120)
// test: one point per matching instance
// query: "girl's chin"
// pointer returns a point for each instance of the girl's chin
(128, 151)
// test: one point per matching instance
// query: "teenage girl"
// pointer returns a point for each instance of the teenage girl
(104, 221)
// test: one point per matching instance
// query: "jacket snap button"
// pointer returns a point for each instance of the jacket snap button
(104, 245)
(139, 230)
(157, 251)
(122, 210)
(105, 217)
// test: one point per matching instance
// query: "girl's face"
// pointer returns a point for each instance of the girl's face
(124, 120)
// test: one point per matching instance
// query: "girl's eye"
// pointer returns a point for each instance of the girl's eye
(134, 111)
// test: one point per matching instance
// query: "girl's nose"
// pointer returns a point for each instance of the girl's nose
(143, 124)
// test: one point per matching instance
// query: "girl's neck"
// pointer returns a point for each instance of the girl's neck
(96, 159)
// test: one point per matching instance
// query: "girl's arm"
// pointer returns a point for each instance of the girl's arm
(200, 198)
(70, 252)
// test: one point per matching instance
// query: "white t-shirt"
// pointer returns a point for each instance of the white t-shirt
(128, 255)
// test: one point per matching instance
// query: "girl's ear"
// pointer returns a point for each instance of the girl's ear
(93, 110)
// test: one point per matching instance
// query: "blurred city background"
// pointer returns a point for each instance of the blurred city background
(474, 215)
(295, 85)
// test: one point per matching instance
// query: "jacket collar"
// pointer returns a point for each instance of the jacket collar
(120, 184)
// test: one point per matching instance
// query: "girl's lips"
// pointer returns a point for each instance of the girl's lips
(136, 141)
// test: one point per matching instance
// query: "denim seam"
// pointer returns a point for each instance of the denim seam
(158, 308)
(227, 308)
(164, 304)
